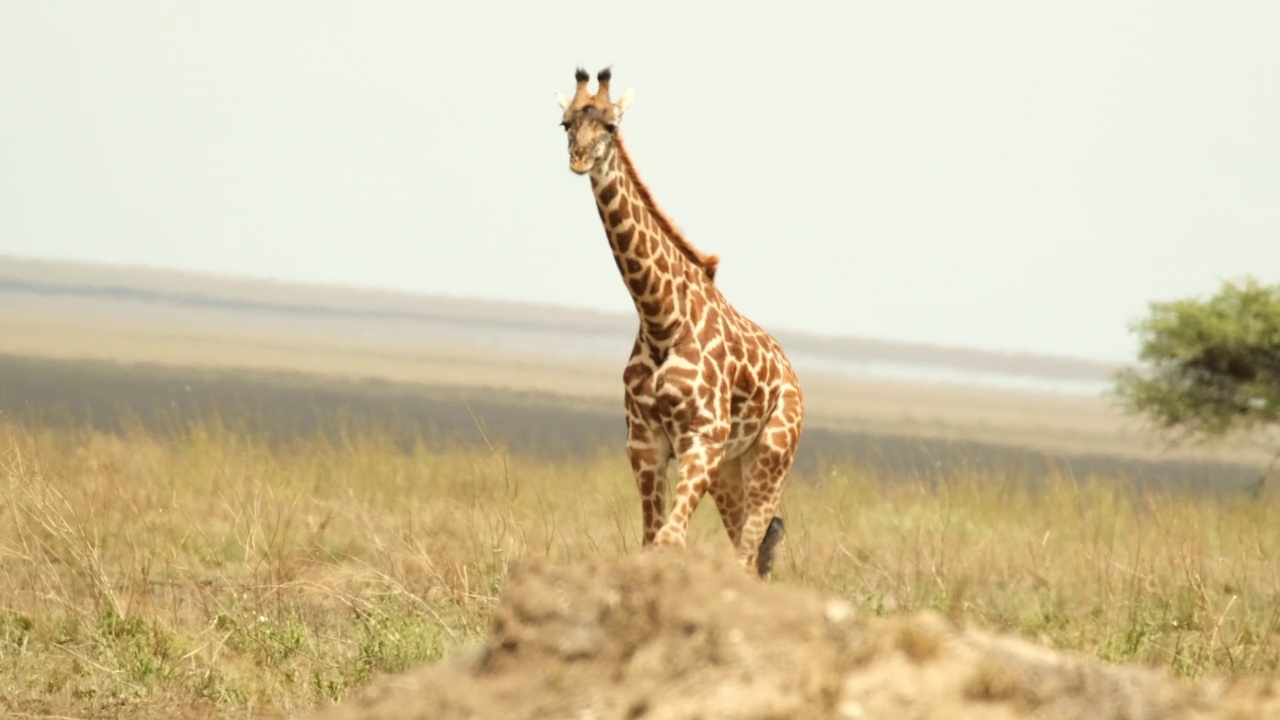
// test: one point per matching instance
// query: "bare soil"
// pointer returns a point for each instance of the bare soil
(687, 635)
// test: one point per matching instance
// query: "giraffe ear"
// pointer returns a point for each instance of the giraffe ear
(564, 101)
(623, 103)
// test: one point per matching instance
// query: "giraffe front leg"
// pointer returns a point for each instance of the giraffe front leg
(699, 459)
(650, 456)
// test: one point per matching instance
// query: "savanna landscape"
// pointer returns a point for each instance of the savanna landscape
(243, 499)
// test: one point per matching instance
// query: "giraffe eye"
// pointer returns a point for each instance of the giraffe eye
(565, 124)
(610, 127)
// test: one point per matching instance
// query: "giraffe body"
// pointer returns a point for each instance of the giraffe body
(706, 389)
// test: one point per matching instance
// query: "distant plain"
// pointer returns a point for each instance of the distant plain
(571, 357)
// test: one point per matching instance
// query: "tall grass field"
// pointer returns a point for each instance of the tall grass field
(205, 569)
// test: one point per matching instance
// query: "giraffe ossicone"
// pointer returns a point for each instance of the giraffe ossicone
(706, 389)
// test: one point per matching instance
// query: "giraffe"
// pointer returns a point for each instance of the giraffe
(705, 389)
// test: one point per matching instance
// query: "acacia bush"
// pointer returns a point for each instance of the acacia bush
(1209, 367)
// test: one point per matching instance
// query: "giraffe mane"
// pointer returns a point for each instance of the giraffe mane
(709, 263)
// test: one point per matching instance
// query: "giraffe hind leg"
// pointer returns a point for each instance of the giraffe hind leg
(730, 499)
(762, 530)
(765, 467)
(729, 496)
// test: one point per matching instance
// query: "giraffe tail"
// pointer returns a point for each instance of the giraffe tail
(769, 544)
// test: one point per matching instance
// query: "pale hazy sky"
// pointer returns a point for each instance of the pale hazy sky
(1007, 175)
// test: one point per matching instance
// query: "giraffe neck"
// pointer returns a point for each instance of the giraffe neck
(658, 269)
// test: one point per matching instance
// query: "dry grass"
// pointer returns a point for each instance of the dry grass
(1159, 578)
(207, 572)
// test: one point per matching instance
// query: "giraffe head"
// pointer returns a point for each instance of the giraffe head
(591, 121)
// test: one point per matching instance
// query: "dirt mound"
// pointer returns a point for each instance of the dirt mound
(676, 635)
